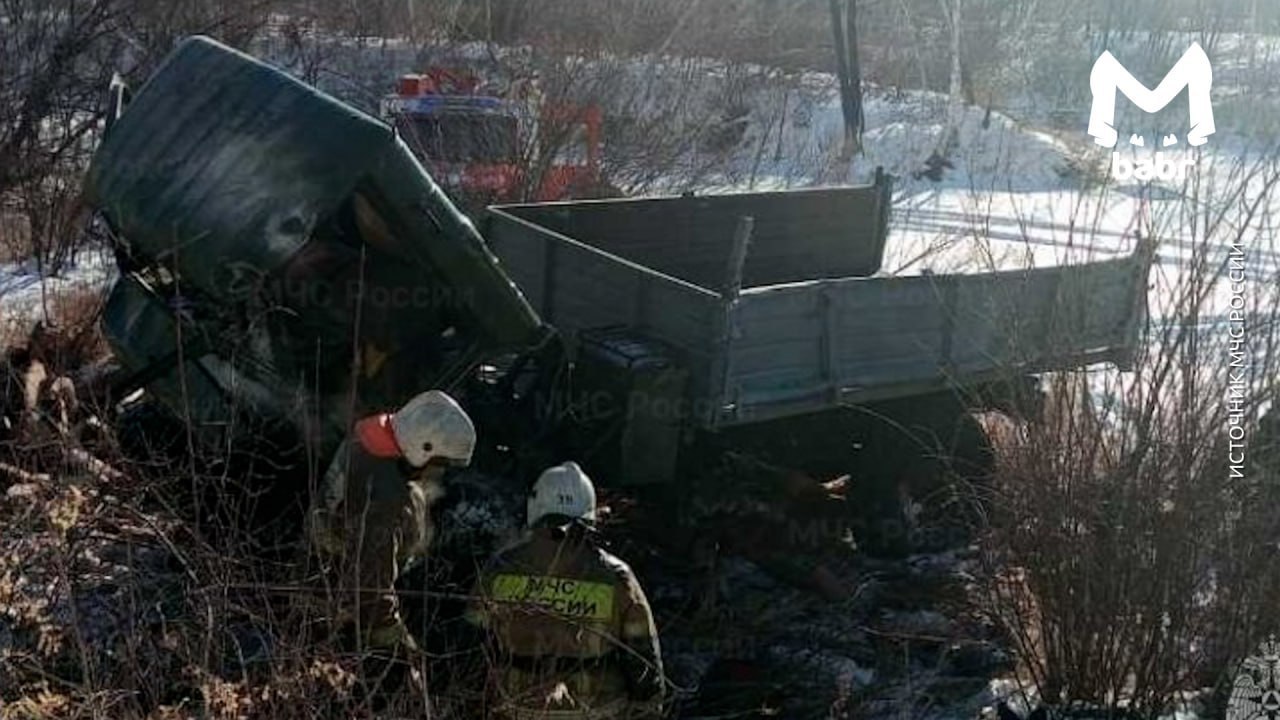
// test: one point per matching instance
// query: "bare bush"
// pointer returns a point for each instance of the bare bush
(48, 100)
(1131, 559)
(167, 580)
(59, 58)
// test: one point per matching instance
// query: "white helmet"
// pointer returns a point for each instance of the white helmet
(430, 426)
(562, 490)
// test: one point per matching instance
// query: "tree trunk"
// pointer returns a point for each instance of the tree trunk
(855, 76)
(955, 108)
(848, 72)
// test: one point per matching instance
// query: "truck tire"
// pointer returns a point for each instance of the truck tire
(917, 466)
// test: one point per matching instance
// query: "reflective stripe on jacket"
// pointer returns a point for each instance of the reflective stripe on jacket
(571, 628)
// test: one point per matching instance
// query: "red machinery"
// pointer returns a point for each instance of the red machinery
(478, 145)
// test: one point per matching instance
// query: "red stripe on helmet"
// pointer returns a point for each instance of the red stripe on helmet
(377, 436)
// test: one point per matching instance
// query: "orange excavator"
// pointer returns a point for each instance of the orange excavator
(478, 144)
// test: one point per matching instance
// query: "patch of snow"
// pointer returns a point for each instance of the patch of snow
(24, 294)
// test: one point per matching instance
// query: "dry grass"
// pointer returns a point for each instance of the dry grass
(117, 603)
(15, 236)
(71, 336)
(121, 596)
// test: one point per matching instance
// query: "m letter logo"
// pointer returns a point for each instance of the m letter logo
(1192, 71)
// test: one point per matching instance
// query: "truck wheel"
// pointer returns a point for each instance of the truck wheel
(914, 465)
(922, 463)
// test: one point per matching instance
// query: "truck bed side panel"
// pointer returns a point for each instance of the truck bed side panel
(575, 287)
(798, 234)
(807, 346)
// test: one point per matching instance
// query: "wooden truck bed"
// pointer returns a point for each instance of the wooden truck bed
(810, 326)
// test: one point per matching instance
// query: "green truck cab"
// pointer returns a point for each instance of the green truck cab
(285, 254)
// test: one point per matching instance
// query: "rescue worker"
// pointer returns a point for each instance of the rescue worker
(372, 512)
(570, 631)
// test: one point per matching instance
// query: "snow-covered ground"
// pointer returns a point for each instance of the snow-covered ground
(1019, 197)
(25, 296)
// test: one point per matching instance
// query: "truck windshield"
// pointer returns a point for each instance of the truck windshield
(461, 137)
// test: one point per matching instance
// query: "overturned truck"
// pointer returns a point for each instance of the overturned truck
(284, 258)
